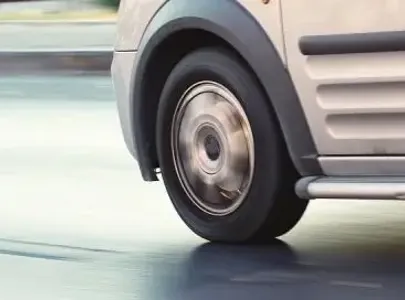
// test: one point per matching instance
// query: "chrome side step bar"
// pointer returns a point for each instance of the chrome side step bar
(353, 187)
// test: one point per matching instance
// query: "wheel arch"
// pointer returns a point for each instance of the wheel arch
(182, 26)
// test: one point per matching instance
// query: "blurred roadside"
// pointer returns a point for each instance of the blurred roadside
(56, 35)
(57, 10)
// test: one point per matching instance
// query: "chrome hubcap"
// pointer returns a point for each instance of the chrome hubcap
(212, 148)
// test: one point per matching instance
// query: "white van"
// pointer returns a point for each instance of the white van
(250, 108)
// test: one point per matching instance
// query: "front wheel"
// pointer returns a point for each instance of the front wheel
(223, 161)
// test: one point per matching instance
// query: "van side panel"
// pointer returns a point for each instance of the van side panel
(133, 18)
(351, 80)
(269, 17)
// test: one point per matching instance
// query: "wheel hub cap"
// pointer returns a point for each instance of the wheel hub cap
(212, 148)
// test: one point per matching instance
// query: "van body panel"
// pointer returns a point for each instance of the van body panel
(348, 66)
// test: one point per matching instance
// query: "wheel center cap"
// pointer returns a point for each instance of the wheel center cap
(212, 147)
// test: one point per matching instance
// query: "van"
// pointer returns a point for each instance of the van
(250, 108)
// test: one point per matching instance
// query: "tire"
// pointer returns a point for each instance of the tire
(270, 207)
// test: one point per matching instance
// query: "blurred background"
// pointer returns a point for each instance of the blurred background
(77, 221)
(58, 9)
(59, 24)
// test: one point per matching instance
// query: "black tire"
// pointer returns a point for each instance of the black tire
(271, 207)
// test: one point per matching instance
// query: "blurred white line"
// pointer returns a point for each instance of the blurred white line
(369, 285)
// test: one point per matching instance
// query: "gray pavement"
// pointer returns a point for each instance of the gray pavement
(57, 48)
(68, 47)
(57, 35)
(77, 222)
(47, 5)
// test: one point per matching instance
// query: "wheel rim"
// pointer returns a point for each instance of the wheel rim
(213, 150)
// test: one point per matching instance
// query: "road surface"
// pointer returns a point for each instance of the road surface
(57, 36)
(77, 222)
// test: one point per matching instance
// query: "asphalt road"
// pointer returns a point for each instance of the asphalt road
(39, 36)
(77, 222)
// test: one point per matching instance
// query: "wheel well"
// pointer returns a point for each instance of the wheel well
(166, 55)
(163, 59)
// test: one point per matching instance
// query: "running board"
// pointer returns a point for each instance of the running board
(353, 187)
